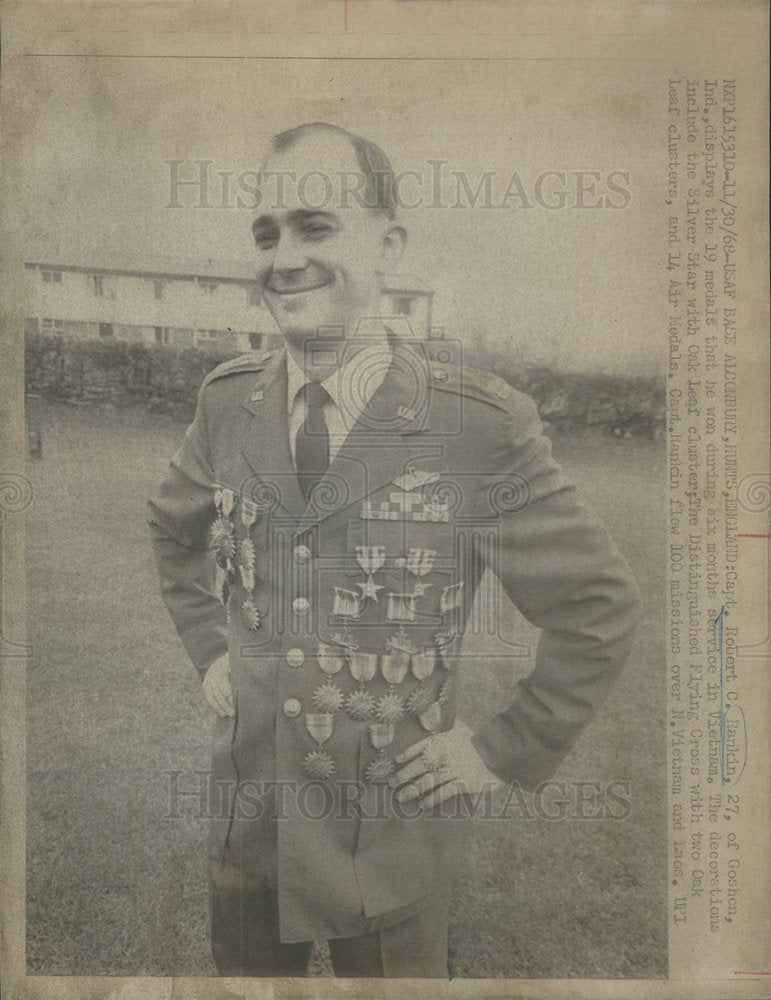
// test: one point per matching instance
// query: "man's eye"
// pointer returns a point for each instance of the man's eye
(317, 232)
(264, 241)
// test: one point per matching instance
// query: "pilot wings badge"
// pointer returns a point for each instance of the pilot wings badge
(414, 480)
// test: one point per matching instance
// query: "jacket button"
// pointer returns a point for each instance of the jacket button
(301, 606)
(292, 708)
(295, 657)
(302, 554)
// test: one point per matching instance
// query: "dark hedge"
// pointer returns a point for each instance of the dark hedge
(166, 380)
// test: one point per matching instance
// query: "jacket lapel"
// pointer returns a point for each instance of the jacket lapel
(383, 442)
(265, 439)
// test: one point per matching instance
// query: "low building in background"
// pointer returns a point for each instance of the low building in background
(195, 304)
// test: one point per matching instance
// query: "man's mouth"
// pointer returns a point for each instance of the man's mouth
(279, 289)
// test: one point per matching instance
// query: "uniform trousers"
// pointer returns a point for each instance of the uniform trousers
(245, 938)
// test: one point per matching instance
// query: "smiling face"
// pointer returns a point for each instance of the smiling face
(321, 266)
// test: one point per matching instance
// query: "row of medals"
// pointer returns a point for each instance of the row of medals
(328, 698)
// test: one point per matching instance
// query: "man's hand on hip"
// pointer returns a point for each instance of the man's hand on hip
(442, 766)
(216, 687)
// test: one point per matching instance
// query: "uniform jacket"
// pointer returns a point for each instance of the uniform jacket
(344, 618)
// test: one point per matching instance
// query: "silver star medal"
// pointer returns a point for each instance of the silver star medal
(371, 559)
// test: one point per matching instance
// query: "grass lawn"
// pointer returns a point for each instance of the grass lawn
(113, 704)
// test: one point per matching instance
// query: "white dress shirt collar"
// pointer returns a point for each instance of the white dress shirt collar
(347, 401)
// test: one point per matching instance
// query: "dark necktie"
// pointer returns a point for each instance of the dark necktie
(312, 441)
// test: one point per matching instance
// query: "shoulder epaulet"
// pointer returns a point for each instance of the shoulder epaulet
(254, 361)
(472, 382)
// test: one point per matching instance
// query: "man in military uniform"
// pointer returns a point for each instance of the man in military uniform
(320, 538)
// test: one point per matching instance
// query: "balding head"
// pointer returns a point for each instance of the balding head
(379, 187)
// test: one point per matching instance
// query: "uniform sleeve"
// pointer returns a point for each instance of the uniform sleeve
(181, 514)
(562, 570)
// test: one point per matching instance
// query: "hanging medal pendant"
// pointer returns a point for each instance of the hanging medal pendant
(390, 708)
(246, 563)
(420, 562)
(248, 513)
(423, 664)
(330, 658)
(320, 726)
(328, 698)
(346, 603)
(444, 640)
(419, 700)
(431, 718)
(401, 642)
(363, 666)
(228, 579)
(252, 615)
(223, 540)
(394, 665)
(379, 770)
(360, 705)
(381, 735)
(228, 501)
(370, 558)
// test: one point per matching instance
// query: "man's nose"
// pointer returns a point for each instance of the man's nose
(290, 254)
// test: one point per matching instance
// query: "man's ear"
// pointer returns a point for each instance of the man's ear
(394, 242)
